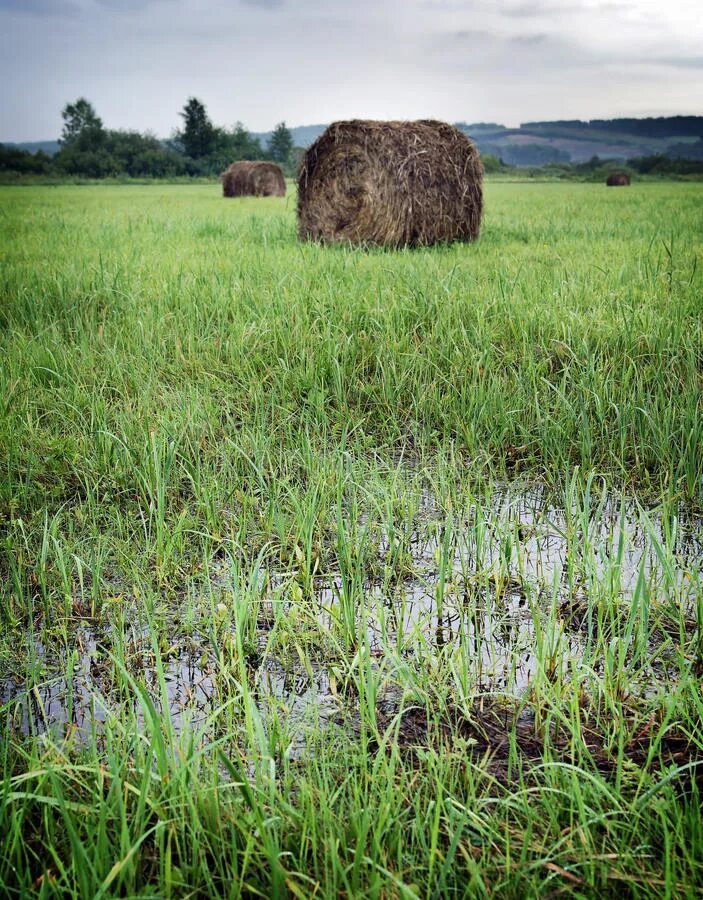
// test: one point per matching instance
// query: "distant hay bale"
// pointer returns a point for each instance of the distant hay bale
(391, 183)
(618, 179)
(249, 178)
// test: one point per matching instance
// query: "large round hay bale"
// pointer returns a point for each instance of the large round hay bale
(618, 179)
(253, 178)
(391, 183)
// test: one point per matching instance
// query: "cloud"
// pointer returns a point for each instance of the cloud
(539, 9)
(40, 7)
(469, 35)
(678, 62)
(510, 52)
(264, 4)
(536, 9)
(472, 60)
(130, 5)
(70, 8)
(530, 40)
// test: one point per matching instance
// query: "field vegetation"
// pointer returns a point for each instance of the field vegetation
(350, 572)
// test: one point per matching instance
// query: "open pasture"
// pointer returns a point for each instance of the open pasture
(345, 572)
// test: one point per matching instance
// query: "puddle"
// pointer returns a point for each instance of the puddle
(513, 589)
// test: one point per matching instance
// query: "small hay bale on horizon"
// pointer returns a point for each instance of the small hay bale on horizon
(253, 178)
(390, 183)
(618, 179)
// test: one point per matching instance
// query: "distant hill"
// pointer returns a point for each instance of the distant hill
(661, 127)
(49, 147)
(303, 135)
(537, 143)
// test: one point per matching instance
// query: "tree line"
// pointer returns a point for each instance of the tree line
(200, 148)
(88, 149)
(597, 169)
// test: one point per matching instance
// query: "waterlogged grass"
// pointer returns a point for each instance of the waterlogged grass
(343, 572)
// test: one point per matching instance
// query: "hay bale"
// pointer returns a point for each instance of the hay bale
(618, 179)
(391, 183)
(249, 178)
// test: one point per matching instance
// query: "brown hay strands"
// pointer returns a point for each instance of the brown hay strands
(618, 179)
(253, 178)
(390, 183)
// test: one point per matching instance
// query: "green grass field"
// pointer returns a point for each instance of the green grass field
(345, 572)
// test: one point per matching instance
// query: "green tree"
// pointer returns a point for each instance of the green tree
(242, 145)
(199, 136)
(141, 155)
(83, 139)
(81, 125)
(280, 144)
(13, 159)
(492, 163)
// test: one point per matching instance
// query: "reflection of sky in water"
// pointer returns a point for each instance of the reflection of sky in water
(509, 566)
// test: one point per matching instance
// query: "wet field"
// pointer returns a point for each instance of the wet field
(349, 572)
(519, 589)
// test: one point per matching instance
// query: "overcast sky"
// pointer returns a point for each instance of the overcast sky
(310, 61)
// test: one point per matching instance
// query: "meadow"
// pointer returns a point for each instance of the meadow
(348, 572)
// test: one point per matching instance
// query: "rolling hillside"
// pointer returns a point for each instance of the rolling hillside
(537, 143)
